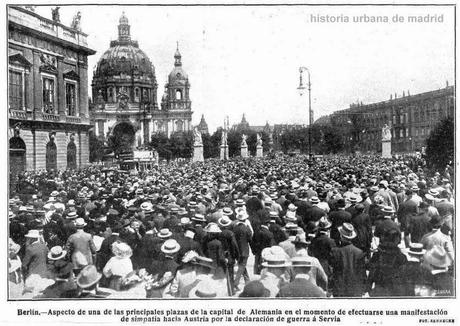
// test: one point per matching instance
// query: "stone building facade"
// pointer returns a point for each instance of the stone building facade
(411, 118)
(124, 89)
(47, 92)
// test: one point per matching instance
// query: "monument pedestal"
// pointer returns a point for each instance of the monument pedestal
(244, 151)
(386, 148)
(223, 152)
(259, 151)
(198, 154)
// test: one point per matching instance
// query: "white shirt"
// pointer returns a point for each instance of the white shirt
(118, 267)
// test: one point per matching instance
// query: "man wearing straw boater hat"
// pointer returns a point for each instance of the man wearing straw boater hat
(164, 270)
(82, 242)
(34, 262)
(274, 276)
(64, 286)
(243, 235)
(302, 285)
(347, 261)
(413, 271)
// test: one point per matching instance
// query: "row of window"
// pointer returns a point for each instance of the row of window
(18, 100)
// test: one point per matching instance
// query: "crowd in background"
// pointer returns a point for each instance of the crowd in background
(339, 226)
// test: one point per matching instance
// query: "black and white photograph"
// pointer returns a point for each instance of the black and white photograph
(230, 151)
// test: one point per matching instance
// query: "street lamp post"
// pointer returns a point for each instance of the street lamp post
(301, 89)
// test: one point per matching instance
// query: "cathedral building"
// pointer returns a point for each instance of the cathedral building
(47, 92)
(124, 90)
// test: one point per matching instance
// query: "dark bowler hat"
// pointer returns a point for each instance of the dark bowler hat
(254, 289)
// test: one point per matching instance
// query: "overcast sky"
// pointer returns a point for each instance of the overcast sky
(246, 59)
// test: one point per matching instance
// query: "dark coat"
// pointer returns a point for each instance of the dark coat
(300, 288)
(60, 289)
(349, 274)
(262, 239)
(214, 249)
(386, 272)
(363, 227)
(338, 218)
(417, 226)
(230, 246)
(321, 248)
(243, 237)
(34, 261)
(105, 252)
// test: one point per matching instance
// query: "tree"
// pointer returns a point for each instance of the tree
(160, 143)
(440, 145)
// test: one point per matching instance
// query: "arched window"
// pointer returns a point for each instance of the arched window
(178, 94)
(71, 155)
(17, 155)
(51, 156)
(136, 94)
(111, 99)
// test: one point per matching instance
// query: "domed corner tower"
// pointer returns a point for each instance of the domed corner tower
(176, 102)
(124, 89)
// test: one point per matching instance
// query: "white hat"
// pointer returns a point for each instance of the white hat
(33, 234)
(170, 246)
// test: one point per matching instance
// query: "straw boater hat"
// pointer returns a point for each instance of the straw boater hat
(275, 261)
(121, 250)
(300, 261)
(185, 221)
(388, 210)
(56, 253)
(170, 246)
(433, 192)
(227, 211)
(240, 202)
(33, 234)
(146, 206)
(164, 233)
(347, 231)
(198, 218)
(416, 249)
(71, 215)
(224, 221)
(314, 200)
(324, 223)
(88, 277)
(80, 223)
(212, 228)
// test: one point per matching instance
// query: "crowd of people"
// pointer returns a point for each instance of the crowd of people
(338, 226)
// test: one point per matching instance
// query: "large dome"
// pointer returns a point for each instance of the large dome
(124, 56)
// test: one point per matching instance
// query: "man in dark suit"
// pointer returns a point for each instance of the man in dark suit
(64, 286)
(301, 286)
(338, 217)
(230, 246)
(34, 261)
(262, 239)
(243, 236)
(349, 274)
(105, 252)
(363, 227)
